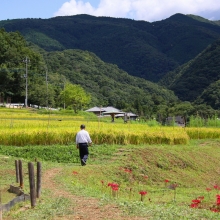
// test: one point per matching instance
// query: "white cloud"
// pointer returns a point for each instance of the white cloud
(149, 10)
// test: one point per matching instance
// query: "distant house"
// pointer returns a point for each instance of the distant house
(96, 110)
(113, 112)
(127, 116)
(177, 120)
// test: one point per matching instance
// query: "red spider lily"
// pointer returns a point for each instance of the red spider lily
(216, 187)
(200, 198)
(214, 210)
(166, 181)
(114, 188)
(74, 172)
(112, 185)
(128, 170)
(145, 177)
(194, 205)
(208, 189)
(143, 193)
(196, 201)
(218, 200)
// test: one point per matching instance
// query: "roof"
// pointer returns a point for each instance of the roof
(111, 109)
(103, 109)
(95, 109)
(129, 114)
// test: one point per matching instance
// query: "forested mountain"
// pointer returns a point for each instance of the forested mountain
(198, 78)
(49, 72)
(108, 84)
(143, 49)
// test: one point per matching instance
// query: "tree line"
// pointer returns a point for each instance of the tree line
(76, 79)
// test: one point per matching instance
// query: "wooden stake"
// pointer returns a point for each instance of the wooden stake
(32, 184)
(38, 179)
(21, 174)
(17, 171)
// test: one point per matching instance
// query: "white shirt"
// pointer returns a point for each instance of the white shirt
(83, 137)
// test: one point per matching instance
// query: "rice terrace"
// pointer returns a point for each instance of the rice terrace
(134, 170)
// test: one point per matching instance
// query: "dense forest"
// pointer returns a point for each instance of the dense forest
(143, 49)
(93, 53)
(197, 76)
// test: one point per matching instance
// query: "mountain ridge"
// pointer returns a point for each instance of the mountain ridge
(143, 49)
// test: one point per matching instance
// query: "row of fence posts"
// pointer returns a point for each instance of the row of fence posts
(34, 191)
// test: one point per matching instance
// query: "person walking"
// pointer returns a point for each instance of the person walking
(83, 141)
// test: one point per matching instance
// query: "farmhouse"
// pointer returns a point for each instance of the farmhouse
(100, 110)
(127, 116)
(113, 112)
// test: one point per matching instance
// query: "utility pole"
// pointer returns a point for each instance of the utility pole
(47, 86)
(64, 104)
(26, 61)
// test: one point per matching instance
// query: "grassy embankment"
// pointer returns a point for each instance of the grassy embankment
(193, 166)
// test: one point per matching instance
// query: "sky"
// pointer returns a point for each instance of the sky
(148, 10)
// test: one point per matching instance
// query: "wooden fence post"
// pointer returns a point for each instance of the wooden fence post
(38, 179)
(32, 184)
(17, 171)
(21, 174)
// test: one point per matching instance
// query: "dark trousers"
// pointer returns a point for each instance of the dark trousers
(83, 151)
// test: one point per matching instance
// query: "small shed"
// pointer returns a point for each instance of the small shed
(127, 116)
(176, 120)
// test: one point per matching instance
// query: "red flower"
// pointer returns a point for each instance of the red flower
(166, 181)
(208, 189)
(128, 170)
(143, 193)
(145, 177)
(114, 188)
(197, 201)
(74, 172)
(113, 185)
(216, 187)
(194, 205)
(200, 198)
(218, 200)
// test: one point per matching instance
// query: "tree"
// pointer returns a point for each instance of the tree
(75, 96)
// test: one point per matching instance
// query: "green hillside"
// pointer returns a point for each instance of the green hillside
(189, 81)
(143, 49)
(48, 72)
(108, 84)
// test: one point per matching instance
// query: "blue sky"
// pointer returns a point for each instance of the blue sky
(148, 10)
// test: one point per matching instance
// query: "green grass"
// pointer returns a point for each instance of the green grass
(194, 167)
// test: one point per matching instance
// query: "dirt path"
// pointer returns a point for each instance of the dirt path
(83, 208)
